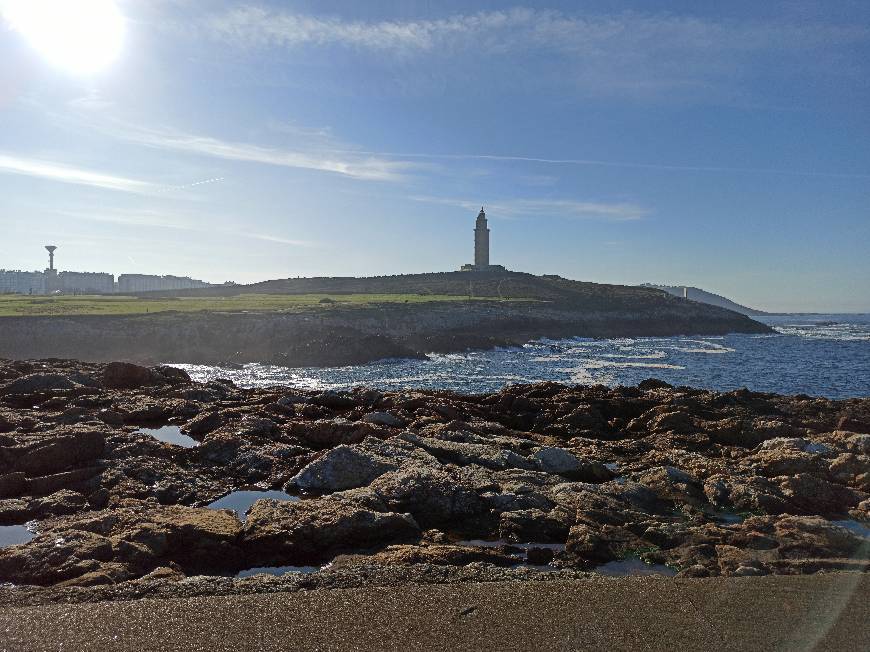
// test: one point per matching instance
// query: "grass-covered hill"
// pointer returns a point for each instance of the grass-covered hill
(502, 285)
(16, 305)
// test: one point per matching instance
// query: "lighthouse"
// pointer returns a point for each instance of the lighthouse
(481, 241)
(481, 248)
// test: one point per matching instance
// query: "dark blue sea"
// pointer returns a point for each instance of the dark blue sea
(819, 355)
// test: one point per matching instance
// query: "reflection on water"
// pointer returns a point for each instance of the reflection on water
(522, 556)
(824, 355)
(277, 570)
(170, 435)
(729, 517)
(499, 543)
(855, 527)
(633, 566)
(13, 535)
(240, 501)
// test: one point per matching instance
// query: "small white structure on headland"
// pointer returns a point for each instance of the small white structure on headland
(481, 248)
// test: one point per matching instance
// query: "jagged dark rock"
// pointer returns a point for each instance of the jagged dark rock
(708, 483)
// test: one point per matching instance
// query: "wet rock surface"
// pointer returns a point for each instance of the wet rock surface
(532, 482)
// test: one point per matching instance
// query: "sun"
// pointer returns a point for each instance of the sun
(81, 36)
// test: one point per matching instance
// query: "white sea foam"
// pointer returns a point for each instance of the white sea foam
(828, 358)
(688, 350)
(600, 364)
(657, 355)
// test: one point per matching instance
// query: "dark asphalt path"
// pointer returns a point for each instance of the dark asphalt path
(820, 612)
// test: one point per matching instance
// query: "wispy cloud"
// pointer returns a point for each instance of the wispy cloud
(93, 100)
(346, 163)
(67, 174)
(570, 208)
(132, 217)
(156, 219)
(278, 239)
(628, 53)
(489, 32)
(627, 164)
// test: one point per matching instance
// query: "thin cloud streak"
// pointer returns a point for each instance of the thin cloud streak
(364, 167)
(512, 208)
(623, 164)
(68, 174)
(161, 220)
(277, 239)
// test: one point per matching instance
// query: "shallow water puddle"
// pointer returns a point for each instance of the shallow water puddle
(525, 547)
(170, 435)
(731, 518)
(855, 527)
(13, 535)
(240, 501)
(633, 566)
(277, 570)
(498, 543)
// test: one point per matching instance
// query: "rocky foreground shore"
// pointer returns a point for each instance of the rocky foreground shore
(536, 482)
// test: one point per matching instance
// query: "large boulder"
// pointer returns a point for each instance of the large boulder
(197, 537)
(786, 461)
(756, 494)
(857, 443)
(557, 460)
(61, 452)
(677, 422)
(47, 484)
(384, 419)
(674, 484)
(126, 542)
(814, 537)
(470, 451)
(357, 465)
(433, 495)
(204, 423)
(34, 383)
(533, 525)
(551, 459)
(126, 375)
(309, 531)
(814, 495)
(12, 484)
(325, 433)
(49, 558)
(343, 467)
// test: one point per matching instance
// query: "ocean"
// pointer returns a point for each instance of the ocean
(818, 355)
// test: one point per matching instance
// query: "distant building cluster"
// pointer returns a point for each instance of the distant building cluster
(18, 282)
(50, 281)
(149, 283)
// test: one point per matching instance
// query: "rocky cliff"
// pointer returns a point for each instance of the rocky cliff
(345, 335)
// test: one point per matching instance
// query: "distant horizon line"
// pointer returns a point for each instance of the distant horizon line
(241, 286)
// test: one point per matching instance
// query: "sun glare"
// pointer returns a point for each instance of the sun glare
(81, 36)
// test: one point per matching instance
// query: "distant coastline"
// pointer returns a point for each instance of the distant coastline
(345, 332)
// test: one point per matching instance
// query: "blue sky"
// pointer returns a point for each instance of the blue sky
(722, 145)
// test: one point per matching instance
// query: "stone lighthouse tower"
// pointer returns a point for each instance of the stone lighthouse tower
(481, 248)
(481, 241)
